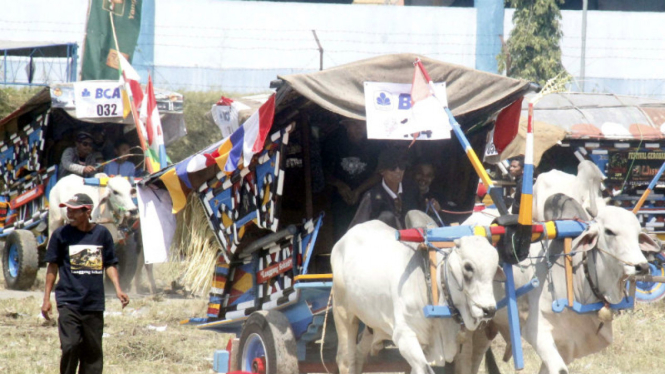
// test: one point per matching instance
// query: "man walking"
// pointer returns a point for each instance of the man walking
(78, 253)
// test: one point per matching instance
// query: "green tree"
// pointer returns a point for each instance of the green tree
(533, 52)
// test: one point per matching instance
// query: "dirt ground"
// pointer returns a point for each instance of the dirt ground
(146, 337)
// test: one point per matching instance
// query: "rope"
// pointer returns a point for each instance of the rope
(430, 204)
(451, 212)
(323, 333)
(114, 159)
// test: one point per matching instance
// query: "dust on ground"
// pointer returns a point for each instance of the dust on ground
(146, 337)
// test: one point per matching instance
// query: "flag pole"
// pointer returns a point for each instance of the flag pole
(649, 189)
(495, 193)
(146, 164)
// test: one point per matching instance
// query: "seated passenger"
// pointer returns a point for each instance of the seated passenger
(121, 166)
(517, 171)
(388, 201)
(423, 176)
(78, 160)
(349, 163)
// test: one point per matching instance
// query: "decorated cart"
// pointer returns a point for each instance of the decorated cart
(624, 137)
(261, 192)
(33, 139)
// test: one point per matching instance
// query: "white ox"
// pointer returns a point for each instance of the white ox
(585, 188)
(112, 203)
(613, 244)
(381, 282)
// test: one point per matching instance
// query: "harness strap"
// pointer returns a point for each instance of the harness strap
(449, 300)
(594, 288)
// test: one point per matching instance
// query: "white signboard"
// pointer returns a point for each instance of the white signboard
(389, 114)
(98, 99)
(226, 117)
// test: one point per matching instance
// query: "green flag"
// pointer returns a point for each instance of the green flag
(100, 59)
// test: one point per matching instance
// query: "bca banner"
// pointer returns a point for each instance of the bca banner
(95, 99)
(388, 112)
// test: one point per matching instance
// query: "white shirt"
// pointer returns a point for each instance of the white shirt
(390, 192)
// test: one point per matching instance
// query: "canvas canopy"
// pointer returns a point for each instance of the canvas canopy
(472, 95)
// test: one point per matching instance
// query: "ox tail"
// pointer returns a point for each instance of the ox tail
(323, 332)
(491, 367)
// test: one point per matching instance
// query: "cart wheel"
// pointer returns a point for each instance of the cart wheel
(20, 260)
(266, 336)
(649, 292)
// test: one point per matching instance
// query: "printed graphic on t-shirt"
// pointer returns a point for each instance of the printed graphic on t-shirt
(85, 259)
(353, 165)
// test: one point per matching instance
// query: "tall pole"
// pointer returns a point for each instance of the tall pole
(585, 5)
(320, 50)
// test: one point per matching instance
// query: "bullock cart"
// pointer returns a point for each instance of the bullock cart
(271, 284)
(34, 137)
(270, 289)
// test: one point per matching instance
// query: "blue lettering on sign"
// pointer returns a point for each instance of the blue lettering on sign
(98, 93)
(116, 94)
(404, 101)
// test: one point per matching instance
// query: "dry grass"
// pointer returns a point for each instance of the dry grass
(30, 345)
(637, 348)
(195, 242)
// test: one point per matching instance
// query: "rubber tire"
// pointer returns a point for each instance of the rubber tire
(127, 261)
(274, 330)
(28, 260)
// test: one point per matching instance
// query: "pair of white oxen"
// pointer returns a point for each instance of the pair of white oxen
(381, 283)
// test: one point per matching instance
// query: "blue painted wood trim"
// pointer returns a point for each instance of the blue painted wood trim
(437, 311)
(519, 292)
(513, 318)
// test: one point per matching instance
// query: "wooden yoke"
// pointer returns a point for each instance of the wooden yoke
(432, 267)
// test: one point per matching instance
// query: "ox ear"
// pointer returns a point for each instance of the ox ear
(587, 240)
(499, 276)
(647, 244)
(105, 196)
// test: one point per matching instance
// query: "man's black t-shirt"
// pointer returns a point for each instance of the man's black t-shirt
(350, 163)
(81, 258)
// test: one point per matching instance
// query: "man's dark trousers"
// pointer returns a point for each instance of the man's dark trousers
(80, 340)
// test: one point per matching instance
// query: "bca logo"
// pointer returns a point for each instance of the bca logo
(383, 100)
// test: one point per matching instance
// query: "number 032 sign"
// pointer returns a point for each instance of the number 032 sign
(98, 99)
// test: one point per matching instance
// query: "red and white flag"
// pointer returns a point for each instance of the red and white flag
(427, 104)
(129, 78)
(152, 130)
(256, 129)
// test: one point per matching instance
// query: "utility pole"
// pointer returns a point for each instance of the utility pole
(585, 5)
(320, 49)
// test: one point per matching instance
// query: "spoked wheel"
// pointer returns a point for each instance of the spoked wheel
(649, 292)
(267, 345)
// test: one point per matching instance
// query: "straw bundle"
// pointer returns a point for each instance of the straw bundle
(194, 249)
(556, 84)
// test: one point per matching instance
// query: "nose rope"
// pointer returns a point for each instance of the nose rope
(616, 258)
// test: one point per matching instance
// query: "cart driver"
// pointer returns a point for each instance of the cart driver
(79, 159)
(388, 201)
